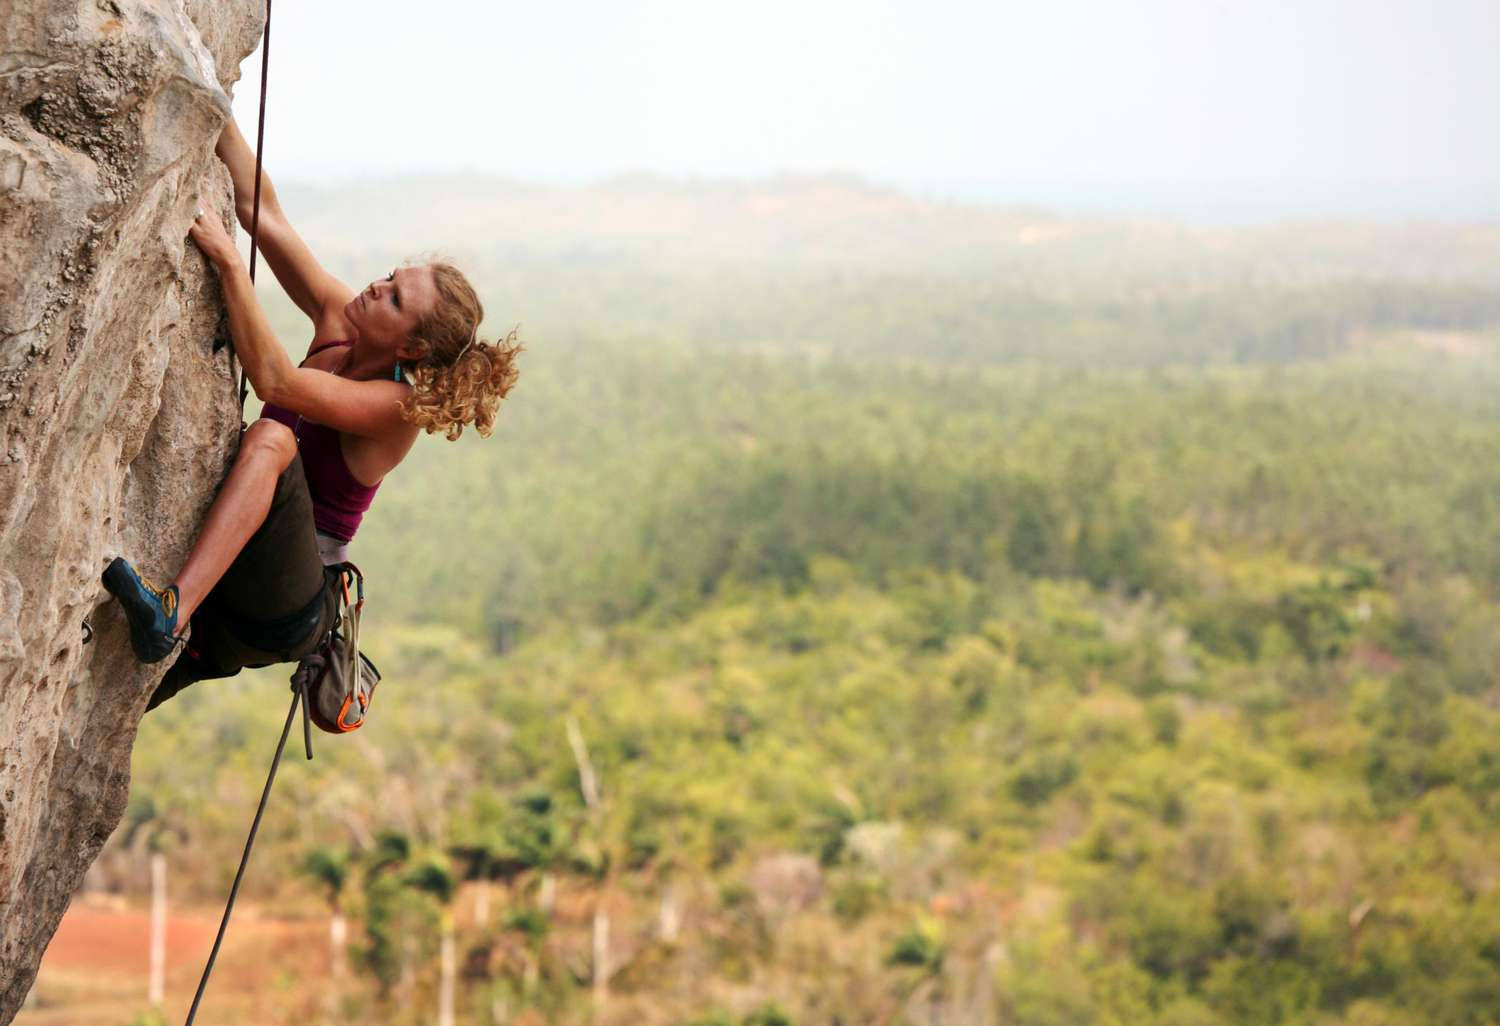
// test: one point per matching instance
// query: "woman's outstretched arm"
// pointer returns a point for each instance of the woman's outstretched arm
(239, 158)
(255, 345)
(312, 288)
(371, 409)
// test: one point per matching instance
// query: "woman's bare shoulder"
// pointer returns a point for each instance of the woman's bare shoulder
(331, 325)
(370, 459)
(324, 354)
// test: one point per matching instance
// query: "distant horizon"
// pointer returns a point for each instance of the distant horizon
(1208, 113)
(1245, 203)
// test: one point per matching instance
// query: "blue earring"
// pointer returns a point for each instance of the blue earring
(398, 372)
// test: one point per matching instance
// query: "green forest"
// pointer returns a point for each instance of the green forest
(853, 643)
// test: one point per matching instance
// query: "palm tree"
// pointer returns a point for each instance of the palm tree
(382, 864)
(588, 785)
(923, 950)
(392, 849)
(393, 872)
(153, 827)
(484, 859)
(527, 833)
(432, 876)
(330, 868)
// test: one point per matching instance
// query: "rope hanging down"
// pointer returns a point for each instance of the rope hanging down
(234, 890)
(260, 139)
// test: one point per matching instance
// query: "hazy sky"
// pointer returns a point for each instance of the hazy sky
(1380, 105)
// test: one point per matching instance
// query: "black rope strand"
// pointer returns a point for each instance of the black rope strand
(260, 139)
(298, 696)
(265, 795)
(244, 859)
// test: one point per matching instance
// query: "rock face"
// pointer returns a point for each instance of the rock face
(117, 419)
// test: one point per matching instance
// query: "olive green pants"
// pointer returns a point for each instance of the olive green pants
(272, 605)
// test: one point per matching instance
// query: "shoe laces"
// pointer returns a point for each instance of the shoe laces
(166, 596)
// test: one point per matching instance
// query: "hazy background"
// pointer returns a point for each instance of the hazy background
(998, 525)
(1198, 108)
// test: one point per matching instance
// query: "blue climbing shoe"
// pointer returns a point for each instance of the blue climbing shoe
(152, 611)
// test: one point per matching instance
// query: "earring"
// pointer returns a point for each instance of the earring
(398, 372)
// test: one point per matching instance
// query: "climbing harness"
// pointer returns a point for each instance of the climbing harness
(334, 684)
(337, 680)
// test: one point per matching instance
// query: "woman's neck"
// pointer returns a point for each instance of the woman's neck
(366, 365)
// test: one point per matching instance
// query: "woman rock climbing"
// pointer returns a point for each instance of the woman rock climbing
(399, 357)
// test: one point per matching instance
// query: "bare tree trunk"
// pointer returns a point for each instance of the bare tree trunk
(404, 981)
(601, 952)
(983, 1006)
(449, 963)
(587, 782)
(547, 893)
(338, 939)
(482, 904)
(156, 991)
(669, 923)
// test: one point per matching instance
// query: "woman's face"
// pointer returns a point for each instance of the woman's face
(389, 309)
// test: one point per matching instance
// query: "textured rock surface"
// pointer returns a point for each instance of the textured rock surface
(116, 417)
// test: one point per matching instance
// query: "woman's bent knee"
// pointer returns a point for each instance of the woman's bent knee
(269, 438)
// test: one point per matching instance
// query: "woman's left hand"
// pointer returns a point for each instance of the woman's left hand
(211, 236)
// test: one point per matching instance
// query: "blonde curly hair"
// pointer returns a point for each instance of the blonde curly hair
(462, 379)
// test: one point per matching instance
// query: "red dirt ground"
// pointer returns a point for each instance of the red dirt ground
(95, 970)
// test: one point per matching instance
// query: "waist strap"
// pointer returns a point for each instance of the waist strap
(332, 550)
(283, 633)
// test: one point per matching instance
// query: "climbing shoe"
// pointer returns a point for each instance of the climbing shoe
(152, 611)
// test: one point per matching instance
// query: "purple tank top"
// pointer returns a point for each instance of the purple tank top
(339, 499)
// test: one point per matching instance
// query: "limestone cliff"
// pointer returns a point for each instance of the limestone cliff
(116, 416)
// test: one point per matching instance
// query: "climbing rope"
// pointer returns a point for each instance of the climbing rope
(298, 695)
(260, 138)
(234, 890)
